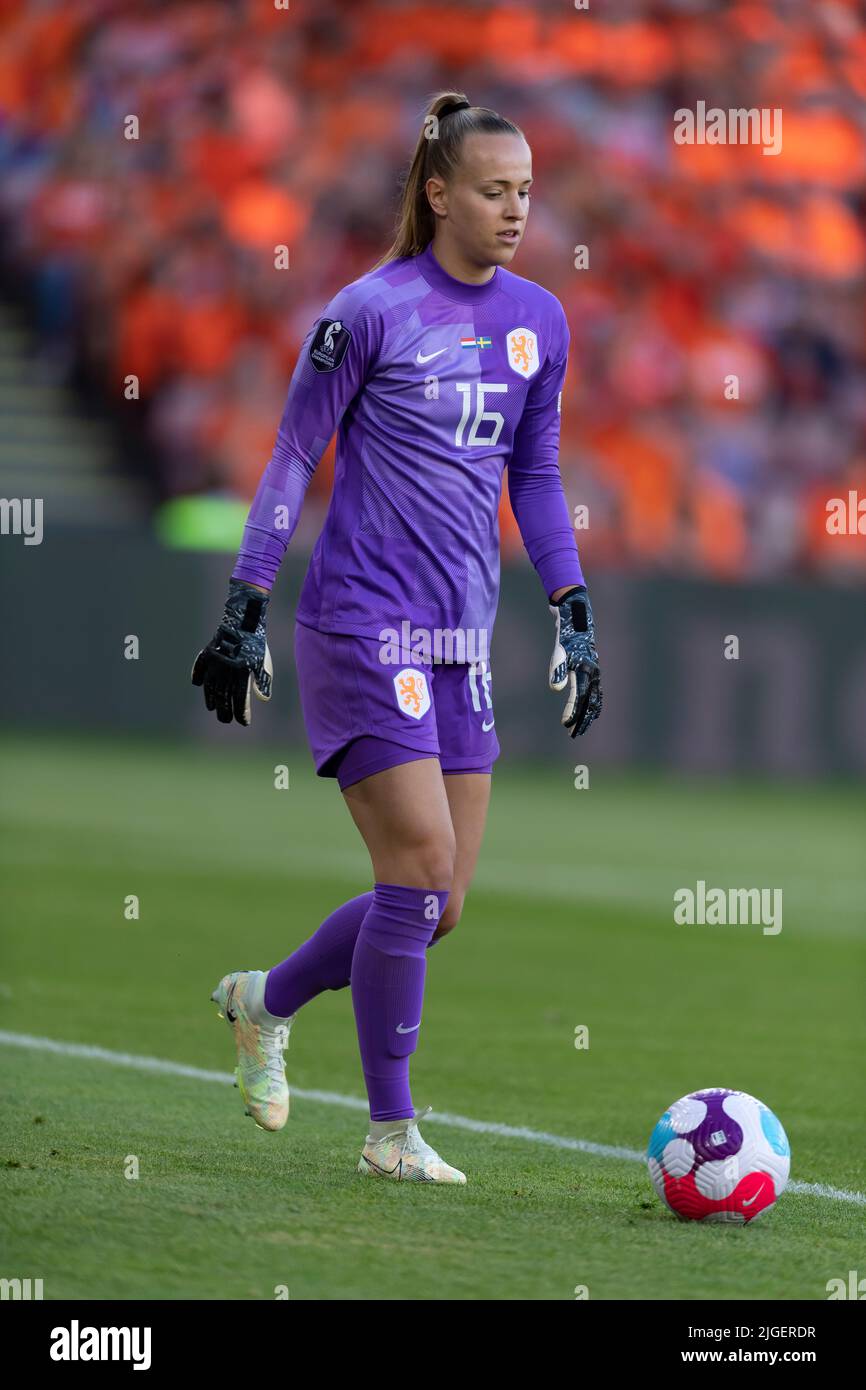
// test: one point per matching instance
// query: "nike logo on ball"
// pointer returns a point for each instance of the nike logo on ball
(401, 1029)
(753, 1199)
(428, 356)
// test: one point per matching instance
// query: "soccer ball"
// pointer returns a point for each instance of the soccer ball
(719, 1155)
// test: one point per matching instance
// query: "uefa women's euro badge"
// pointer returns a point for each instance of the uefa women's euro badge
(328, 348)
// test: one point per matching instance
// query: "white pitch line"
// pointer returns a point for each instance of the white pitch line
(529, 1136)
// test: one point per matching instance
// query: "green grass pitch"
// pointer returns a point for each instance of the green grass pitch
(570, 922)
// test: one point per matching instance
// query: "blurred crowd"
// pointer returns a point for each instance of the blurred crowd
(259, 126)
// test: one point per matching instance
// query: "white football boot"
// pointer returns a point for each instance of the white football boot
(261, 1040)
(400, 1153)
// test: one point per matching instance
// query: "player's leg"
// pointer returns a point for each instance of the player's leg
(468, 801)
(261, 1005)
(468, 748)
(324, 961)
(404, 818)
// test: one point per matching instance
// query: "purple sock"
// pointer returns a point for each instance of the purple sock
(388, 970)
(323, 962)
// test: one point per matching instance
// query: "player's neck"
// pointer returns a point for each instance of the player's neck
(458, 267)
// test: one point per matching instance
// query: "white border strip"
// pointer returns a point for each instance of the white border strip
(529, 1136)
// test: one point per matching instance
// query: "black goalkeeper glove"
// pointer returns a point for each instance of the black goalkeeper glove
(236, 660)
(575, 660)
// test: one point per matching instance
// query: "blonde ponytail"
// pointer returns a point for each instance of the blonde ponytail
(449, 119)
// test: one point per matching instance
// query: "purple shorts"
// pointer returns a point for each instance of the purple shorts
(390, 714)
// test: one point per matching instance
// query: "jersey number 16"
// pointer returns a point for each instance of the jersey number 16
(482, 388)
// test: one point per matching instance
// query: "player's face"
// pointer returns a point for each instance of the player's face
(487, 201)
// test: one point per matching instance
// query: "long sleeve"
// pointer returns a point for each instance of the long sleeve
(534, 481)
(333, 364)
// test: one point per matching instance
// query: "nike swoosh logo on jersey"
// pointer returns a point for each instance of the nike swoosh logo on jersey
(485, 726)
(428, 356)
(401, 1029)
(753, 1199)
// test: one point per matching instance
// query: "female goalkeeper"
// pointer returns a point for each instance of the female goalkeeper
(439, 367)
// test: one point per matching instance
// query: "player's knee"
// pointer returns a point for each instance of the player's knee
(437, 869)
(433, 860)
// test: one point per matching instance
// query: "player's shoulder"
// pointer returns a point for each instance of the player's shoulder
(534, 307)
(528, 294)
(364, 312)
(372, 295)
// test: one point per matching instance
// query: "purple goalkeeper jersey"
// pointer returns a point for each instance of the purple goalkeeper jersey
(435, 386)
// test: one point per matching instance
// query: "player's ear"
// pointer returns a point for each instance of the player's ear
(437, 195)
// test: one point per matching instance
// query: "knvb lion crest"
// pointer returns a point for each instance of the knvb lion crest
(413, 697)
(522, 348)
